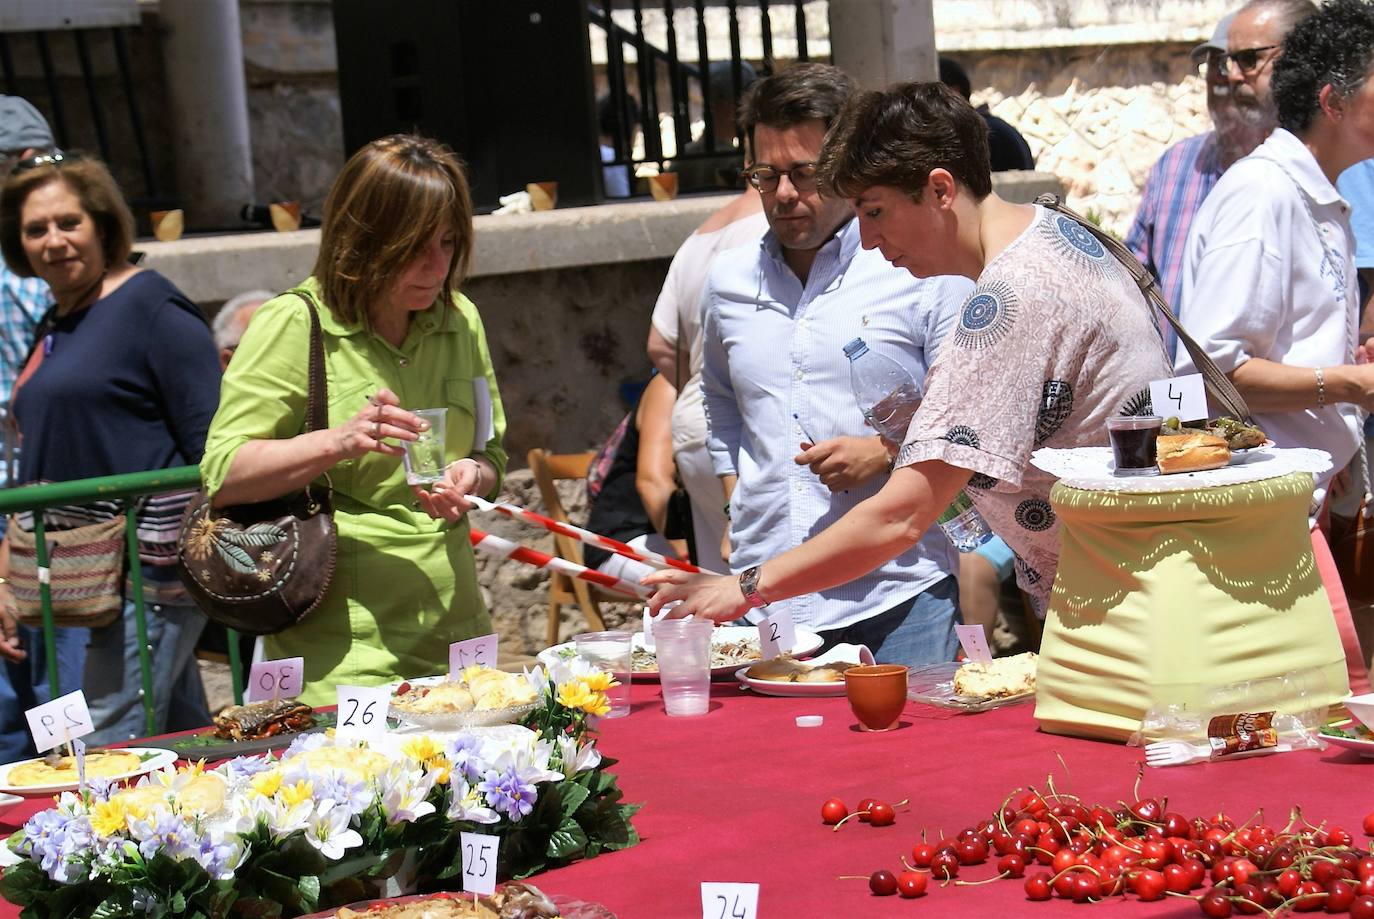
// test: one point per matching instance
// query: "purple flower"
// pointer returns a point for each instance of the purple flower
(508, 795)
(245, 767)
(57, 840)
(169, 834)
(464, 755)
(353, 796)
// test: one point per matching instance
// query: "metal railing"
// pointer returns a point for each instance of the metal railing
(110, 487)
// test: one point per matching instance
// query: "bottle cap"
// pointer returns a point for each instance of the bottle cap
(809, 721)
(855, 348)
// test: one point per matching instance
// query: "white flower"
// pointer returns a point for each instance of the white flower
(467, 804)
(577, 759)
(404, 790)
(329, 831)
(529, 762)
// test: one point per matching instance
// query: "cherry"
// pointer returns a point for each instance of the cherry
(865, 808)
(921, 854)
(1369, 824)
(1309, 897)
(1086, 886)
(1248, 899)
(883, 883)
(911, 884)
(1363, 907)
(1365, 867)
(1337, 836)
(833, 811)
(1003, 843)
(1026, 827)
(1176, 824)
(945, 865)
(1177, 878)
(1367, 885)
(1324, 871)
(1339, 895)
(1215, 904)
(1038, 887)
(1288, 881)
(1242, 869)
(1064, 859)
(1146, 809)
(1012, 865)
(1148, 884)
(880, 814)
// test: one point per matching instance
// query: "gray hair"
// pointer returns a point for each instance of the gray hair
(1292, 11)
(226, 331)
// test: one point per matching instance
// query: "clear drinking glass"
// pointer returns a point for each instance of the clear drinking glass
(684, 664)
(612, 652)
(1134, 441)
(424, 457)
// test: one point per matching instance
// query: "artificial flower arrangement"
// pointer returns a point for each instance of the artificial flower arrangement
(329, 821)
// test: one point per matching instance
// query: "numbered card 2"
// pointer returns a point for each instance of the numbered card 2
(362, 711)
(60, 721)
(729, 901)
(464, 654)
(777, 635)
(974, 640)
(276, 679)
(479, 862)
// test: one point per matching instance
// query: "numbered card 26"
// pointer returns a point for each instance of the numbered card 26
(479, 862)
(729, 901)
(362, 711)
(276, 679)
(60, 721)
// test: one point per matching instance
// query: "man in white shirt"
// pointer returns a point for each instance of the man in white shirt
(774, 375)
(1269, 278)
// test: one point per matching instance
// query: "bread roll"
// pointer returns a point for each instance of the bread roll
(1191, 453)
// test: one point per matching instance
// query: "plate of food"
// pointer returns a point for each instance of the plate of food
(49, 775)
(257, 727)
(512, 901)
(1350, 735)
(731, 647)
(480, 696)
(973, 687)
(787, 676)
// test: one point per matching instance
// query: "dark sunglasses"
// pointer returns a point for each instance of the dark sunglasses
(45, 159)
(1246, 60)
(765, 178)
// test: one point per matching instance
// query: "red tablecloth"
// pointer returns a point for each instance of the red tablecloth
(736, 796)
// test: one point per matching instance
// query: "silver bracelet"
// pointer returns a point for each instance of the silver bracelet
(478, 482)
(1321, 387)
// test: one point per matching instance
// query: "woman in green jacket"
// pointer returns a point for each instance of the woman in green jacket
(398, 336)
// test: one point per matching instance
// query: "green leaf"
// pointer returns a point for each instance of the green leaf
(567, 842)
(572, 798)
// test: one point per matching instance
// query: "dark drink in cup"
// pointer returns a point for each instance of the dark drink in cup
(1134, 440)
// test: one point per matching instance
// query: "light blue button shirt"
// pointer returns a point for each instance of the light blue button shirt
(773, 347)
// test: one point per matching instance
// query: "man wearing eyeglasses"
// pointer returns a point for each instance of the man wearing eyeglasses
(785, 434)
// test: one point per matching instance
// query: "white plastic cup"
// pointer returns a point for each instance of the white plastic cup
(424, 457)
(684, 665)
(612, 652)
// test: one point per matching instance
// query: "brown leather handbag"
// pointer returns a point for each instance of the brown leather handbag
(261, 568)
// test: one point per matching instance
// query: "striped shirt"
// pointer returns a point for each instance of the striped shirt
(773, 348)
(23, 301)
(1177, 184)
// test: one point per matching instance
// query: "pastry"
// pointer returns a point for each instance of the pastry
(1005, 676)
(1191, 453)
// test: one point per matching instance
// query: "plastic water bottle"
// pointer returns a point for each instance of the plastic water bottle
(888, 395)
(963, 525)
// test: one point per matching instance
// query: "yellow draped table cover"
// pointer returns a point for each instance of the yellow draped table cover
(1161, 596)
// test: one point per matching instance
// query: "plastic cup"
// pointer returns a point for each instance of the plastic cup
(684, 665)
(1135, 439)
(877, 694)
(612, 652)
(424, 457)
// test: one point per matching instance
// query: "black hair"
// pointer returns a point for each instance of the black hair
(1332, 47)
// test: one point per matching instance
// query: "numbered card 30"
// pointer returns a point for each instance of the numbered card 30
(280, 679)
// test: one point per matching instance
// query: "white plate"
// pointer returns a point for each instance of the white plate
(807, 641)
(153, 759)
(1363, 747)
(847, 653)
(8, 801)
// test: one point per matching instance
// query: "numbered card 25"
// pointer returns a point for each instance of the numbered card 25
(60, 721)
(729, 901)
(276, 679)
(362, 711)
(479, 861)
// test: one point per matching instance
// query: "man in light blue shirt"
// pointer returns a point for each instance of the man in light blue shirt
(776, 318)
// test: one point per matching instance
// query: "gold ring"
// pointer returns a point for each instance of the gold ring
(376, 430)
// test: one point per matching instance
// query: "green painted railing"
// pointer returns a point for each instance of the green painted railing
(109, 487)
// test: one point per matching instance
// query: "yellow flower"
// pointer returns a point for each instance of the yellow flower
(442, 764)
(423, 748)
(302, 791)
(598, 704)
(193, 769)
(574, 694)
(267, 783)
(600, 681)
(108, 817)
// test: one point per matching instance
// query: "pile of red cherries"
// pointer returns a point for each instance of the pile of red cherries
(1061, 847)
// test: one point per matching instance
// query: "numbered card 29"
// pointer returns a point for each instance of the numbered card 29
(464, 654)
(479, 861)
(729, 901)
(362, 711)
(60, 721)
(276, 679)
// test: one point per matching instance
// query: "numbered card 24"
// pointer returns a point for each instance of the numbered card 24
(729, 901)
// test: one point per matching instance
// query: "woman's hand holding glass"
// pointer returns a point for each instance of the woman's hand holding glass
(381, 418)
(447, 498)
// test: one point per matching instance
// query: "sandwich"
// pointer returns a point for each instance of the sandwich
(1191, 453)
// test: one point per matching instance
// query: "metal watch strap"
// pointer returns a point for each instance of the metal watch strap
(749, 586)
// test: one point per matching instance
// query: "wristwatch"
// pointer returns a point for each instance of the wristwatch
(749, 586)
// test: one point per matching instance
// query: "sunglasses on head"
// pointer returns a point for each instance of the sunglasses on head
(45, 159)
(1246, 60)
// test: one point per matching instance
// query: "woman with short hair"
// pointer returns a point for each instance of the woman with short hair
(395, 246)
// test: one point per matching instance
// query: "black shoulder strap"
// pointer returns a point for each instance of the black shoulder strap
(317, 398)
(1219, 387)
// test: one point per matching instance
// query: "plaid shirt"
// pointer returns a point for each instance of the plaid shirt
(1176, 186)
(23, 301)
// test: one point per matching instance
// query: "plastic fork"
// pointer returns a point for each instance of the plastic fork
(1180, 752)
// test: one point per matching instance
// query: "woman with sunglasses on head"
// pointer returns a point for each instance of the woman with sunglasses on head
(123, 378)
(1269, 279)
(395, 246)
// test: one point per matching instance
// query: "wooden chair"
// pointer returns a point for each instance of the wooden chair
(548, 469)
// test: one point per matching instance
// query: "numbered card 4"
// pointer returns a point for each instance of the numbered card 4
(464, 654)
(60, 721)
(729, 901)
(777, 635)
(362, 711)
(479, 862)
(276, 679)
(1184, 398)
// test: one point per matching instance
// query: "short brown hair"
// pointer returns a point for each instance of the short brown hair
(897, 136)
(387, 203)
(802, 92)
(93, 186)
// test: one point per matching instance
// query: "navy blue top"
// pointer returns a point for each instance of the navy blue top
(128, 385)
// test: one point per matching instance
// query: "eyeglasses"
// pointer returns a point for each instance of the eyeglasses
(1213, 63)
(45, 159)
(765, 178)
(1246, 60)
